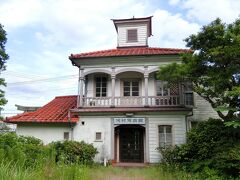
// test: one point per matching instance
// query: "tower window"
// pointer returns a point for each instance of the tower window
(132, 35)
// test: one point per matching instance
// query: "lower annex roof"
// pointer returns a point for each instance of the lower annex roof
(56, 111)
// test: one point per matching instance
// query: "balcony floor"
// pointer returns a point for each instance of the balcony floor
(130, 109)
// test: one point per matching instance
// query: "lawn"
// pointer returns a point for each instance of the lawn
(75, 172)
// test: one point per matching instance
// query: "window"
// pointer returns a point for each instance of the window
(66, 135)
(162, 88)
(130, 88)
(101, 86)
(165, 136)
(132, 35)
(188, 94)
(98, 136)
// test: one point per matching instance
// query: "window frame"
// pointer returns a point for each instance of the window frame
(162, 86)
(101, 86)
(66, 136)
(172, 134)
(131, 81)
(188, 90)
(135, 30)
(101, 136)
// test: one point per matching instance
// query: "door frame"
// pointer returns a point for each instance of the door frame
(117, 149)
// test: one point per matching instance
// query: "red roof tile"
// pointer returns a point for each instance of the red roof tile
(130, 51)
(55, 111)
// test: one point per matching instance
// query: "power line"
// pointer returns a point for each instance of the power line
(22, 74)
(43, 80)
(42, 90)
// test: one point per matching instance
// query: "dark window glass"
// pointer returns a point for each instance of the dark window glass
(101, 86)
(66, 135)
(131, 88)
(126, 93)
(135, 93)
(98, 136)
(189, 98)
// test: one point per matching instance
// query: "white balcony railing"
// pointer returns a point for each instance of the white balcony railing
(135, 101)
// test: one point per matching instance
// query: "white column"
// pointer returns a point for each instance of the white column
(113, 77)
(80, 88)
(146, 84)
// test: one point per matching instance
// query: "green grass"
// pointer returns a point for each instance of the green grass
(77, 172)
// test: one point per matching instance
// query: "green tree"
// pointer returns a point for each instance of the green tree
(213, 66)
(3, 58)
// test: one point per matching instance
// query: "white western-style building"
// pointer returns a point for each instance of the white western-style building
(121, 108)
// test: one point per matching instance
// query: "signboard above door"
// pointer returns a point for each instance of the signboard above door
(129, 120)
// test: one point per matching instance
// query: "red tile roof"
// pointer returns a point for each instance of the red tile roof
(130, 51)
(55, 111)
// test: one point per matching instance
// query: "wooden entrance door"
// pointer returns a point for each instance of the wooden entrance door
(131, 144)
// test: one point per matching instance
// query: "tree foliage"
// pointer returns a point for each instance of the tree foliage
(210, 145)
(213, 66)
(3, 58)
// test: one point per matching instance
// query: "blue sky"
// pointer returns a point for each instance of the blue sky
(43, 33)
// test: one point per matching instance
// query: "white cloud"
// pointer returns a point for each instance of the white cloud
(169, 30)
(69, 21)
(16, 13)
(207, 10)
(174, 2)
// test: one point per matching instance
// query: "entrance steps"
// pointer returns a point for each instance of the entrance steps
(130, 165)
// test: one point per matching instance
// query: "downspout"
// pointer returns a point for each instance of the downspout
(186, 120)
(70, 124)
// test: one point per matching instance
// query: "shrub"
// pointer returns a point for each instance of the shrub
(71, 152)
(211, 147)
(25, 151)
(228, 161)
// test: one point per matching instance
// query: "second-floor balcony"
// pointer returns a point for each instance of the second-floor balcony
(129, 88)
(132, 101)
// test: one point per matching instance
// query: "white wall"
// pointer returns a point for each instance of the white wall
(202, 109)
(178, 128)
(47, 133)
(151, 85)
(142, 35)
(93, 124)
(87, 133)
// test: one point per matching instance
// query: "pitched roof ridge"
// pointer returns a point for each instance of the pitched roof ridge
(164, 48)
(66, 96)
(127, 48)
